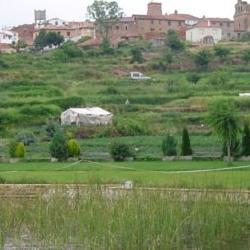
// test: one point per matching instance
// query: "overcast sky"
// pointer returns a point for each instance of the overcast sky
(13, 12)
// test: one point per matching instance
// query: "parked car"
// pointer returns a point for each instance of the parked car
(139, 76)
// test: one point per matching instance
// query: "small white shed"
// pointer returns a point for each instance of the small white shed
(86, 117)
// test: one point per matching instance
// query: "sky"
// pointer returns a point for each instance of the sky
(14, 12)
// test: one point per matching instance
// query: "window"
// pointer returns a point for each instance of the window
(152, 29)
(68, 33)
(169, 23)
(126, 27)
(160, 22)
(221, 24)
(117, 27)
(56, 23)
(152, 21)
(179, 23)
(228, 24)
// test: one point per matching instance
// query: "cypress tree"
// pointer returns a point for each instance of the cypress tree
(186, 149)
(246, 141)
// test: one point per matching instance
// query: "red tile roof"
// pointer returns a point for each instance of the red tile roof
(181, 17)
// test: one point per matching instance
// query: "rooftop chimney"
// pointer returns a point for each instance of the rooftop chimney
(154, 9)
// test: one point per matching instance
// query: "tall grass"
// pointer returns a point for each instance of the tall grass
(98, 219)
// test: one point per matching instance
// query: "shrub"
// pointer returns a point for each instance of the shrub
(16, 149)
(193, 78)
(106, 47)
(173, 41)
(137, 55)
(128, 127)
(69, 102)
(73, 148)
(120, 151)
(51, 128)
(58, 147)
(169, 146)
(186, 146)
(221, 52)
(220, 77)
(246, 141)
(202, 58)
(20, 150)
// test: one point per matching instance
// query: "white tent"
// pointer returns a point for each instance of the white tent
(86, 116)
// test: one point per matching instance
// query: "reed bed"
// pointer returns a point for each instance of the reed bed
(99, 219)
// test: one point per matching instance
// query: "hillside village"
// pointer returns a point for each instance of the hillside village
(152, 26)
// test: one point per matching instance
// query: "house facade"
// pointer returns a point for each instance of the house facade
(8, 37)
(204, 33)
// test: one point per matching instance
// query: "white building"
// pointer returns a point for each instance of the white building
(86, 117)
(8, 37)
(204, 33)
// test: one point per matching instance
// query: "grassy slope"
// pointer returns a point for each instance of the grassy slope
(142, 173)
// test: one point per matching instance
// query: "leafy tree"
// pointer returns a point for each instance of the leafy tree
(120, 151)
(137, 55)
(202, 58)
(58, 146)
(173, 41)
(51, 128)
(20, 45)
(47, 39)
(193, 78)
(246, 141)
(73, 148)
(186, 149)
(245, 37)
(105, 14)
(221, 52)
(223, 119)
(246, 56)
(169, 146)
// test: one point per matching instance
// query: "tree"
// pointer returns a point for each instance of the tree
(58, 146)
(173, 41)
(202, 58)
(223, 118)
(47, 39)
(246, 141)
(137, 55)
(16, 149)
(73, 148)
(169, 146)
(186, 149)
(105, 14)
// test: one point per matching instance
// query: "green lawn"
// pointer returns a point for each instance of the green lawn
(149, 174)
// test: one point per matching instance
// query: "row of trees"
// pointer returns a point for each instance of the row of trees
(169, 145)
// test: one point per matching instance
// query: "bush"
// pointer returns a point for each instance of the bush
(202, 58)
(186, 146)
(221, 51)
(16, 149)
(73, 148)
(106, 47)
(246, 56)
(128, 127)
(51, 128)
(69, 102)
(173, 41)
(20, 150)
(169, 146)
(220, 77)
(120, 151)
(193, 78)
(137, 55)
(58, 147)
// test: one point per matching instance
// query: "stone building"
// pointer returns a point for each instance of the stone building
(242, 17)
(154, 25)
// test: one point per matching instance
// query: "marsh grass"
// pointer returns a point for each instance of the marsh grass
(98, 219)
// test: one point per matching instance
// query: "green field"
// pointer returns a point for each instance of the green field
(146, 174)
